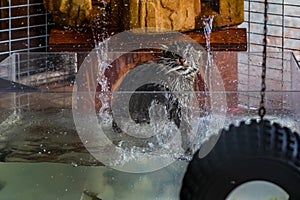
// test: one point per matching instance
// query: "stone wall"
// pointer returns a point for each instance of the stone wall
(168, 14)
(179, 15)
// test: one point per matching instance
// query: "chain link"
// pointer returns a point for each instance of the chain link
(262, 109)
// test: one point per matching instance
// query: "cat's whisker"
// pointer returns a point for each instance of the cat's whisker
(175, 69)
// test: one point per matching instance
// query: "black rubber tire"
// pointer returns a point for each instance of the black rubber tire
(248, 152)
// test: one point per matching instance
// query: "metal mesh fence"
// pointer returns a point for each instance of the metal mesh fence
(23, 26)
(283, 36)
(283, 25)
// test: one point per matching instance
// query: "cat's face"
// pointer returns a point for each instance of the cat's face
(182, 58)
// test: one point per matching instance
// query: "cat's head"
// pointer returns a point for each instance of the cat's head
(183, 58)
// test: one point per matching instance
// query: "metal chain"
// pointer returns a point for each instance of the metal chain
(262, 109)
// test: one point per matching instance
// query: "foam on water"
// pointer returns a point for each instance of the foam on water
(165, 140)
(160, 137)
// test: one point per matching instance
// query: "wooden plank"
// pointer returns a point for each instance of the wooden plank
(69, 40)
(231, 39)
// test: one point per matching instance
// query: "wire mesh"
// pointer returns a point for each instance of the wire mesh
(283, 36)
(23, 26)
(283, 25)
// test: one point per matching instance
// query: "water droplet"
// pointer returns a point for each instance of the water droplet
(74, 164)
(151, 145)
(120, 143)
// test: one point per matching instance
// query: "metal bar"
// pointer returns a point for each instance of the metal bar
(274, 3)
(23, 27)
(274, 25)
(21, 17)
(22, 50)
(9, 26)
(274, 14)
(28, 24)
(25, 38)
(20, 6)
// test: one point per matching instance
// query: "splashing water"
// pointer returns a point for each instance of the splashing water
(165, 137)
(104, 97)
(207, 22)
(131, 149)
(101, 38)
(100, 24)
